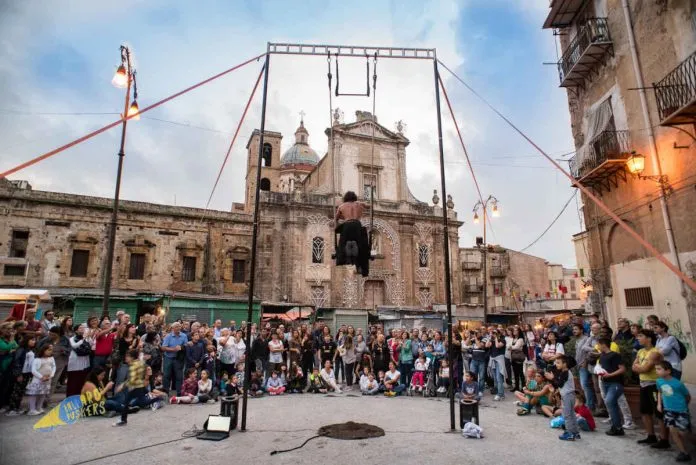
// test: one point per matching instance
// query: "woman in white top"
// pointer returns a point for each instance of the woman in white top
(228, 352)
(552, 349)
(275, 353)
(508, 359)
(329, 377)
(78, 365)
(392, 381)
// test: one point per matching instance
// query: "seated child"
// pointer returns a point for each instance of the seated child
(241, 373)
(205, 387)
(585, 419)
(429, 355)
(555, 407)
(256, 383)
(364, 375)
(369, 385)
(535, 394)
(274, 385)
(296, 379)
(233, 388)
(418, 378)
(283, 375)
(470, 386)
(224, 379)
(189, 389)
(380, 381)
(443, 379)
(316, 383)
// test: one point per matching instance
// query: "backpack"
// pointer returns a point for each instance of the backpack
(83, 349)
(682, 349)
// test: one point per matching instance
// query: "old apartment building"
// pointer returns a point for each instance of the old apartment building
(197, 263)
(629, 68)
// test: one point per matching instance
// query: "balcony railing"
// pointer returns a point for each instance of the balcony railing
(473, 288)
(584, 52)
(608, 145)
(676, 94)
(498, 271)
(471, 265)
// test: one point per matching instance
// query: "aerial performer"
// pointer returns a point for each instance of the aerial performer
(354, 245)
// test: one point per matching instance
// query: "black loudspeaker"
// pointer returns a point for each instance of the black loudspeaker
(468, 412)
(229, 407)
(479, 241)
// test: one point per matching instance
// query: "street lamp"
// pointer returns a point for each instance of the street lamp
(496, 213)
(124, 78)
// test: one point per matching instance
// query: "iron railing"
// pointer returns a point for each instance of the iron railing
(499, 271)
(594, 31)
(608, 145)
(677, 89)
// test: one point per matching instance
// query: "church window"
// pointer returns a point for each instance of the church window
(423, 256)
(369, 185)
(265, 184)
(318, 250)
(267, 154)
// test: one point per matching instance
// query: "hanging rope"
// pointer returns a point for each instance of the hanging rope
(653, 251)
(372, 164)
(234, 138)
(331, 137)
(46, 155)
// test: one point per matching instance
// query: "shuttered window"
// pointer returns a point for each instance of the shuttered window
(638, 297)
(137, 266)
(79, 264)
(188, 272)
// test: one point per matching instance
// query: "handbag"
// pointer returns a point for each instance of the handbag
(517, 355)
(83, 349)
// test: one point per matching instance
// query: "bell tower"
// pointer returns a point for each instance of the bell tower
(270, 165)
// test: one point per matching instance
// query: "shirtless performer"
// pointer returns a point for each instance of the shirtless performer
(351, 209)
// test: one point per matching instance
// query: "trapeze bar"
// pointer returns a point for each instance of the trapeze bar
(351, 50)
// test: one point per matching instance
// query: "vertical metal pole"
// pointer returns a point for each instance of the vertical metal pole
(114, 211)
(485, 266)
(254, 241)
(445, 222)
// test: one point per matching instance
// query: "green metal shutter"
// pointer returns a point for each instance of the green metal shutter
(351, 319)
(87, 307)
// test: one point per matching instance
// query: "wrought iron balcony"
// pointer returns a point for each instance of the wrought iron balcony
(585, 52)
(676, 94)
(563, 13)
(471, 265)
(602, 160)
(499, 271)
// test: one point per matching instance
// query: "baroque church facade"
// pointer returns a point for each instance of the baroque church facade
(200, 260)
(299, 194)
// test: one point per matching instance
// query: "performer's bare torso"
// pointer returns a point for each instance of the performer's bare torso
(348, 211)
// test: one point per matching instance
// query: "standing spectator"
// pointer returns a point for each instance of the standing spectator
(104, 344)
(380, 354)
(327, 350)
(144, 322)
(517, 357)
(623, 331)
(32, 327)
(21, 370)
(647, 359)
(405, 358)
(8, 347)
(78, 362)
(497, 357)
(152, 354)
(174, 355)
(260, 352)
(652, 322)
(275, 353)
(349, 358)
(47, 322)
(195, 353)
(673, 400)
(552, 349)
(43, 368)
(565, 383)
(668, 347)
(217, 329)
(479, 357)
(612, 373)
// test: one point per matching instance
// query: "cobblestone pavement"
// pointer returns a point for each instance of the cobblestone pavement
(417, 431)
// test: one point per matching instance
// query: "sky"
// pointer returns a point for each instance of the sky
(57, 60)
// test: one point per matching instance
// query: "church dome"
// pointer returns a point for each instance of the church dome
(300, 153)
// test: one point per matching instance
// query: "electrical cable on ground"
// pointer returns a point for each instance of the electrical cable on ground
(192, 433)
(653, 251)
(553, 222)
(234, 138)
(298, 447)
(122, 119)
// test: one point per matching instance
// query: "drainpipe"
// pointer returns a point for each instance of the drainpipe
(657, 168)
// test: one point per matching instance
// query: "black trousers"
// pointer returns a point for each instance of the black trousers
(132, 394)
(518, 375)
(348, 371)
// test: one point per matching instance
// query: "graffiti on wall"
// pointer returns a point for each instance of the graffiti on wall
(676, 330)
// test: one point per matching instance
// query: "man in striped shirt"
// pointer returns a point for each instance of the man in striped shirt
(135, 384)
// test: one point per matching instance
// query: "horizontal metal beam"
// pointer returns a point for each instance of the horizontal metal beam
(351, 50)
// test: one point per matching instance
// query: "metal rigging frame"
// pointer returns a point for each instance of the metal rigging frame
(351, 51)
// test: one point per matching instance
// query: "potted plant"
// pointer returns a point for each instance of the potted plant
(632, 383)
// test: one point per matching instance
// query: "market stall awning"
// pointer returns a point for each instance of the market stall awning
(24, 294)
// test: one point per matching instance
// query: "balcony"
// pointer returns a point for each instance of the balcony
(471, 265)
(676, 94)
(563, 13)
(498, 271)
(602, 161)
(585, 53)
(473, 288)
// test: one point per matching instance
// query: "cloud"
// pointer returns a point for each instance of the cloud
(61, 60)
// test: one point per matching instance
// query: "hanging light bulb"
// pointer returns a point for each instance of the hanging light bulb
(134, 111)
(120, 79)
(496, 212)
(476, 218)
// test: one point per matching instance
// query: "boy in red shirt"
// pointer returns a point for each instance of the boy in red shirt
(586, 421)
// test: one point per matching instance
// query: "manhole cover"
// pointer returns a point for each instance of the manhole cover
(350, 430)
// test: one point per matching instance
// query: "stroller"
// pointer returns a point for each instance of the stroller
(428, 389)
